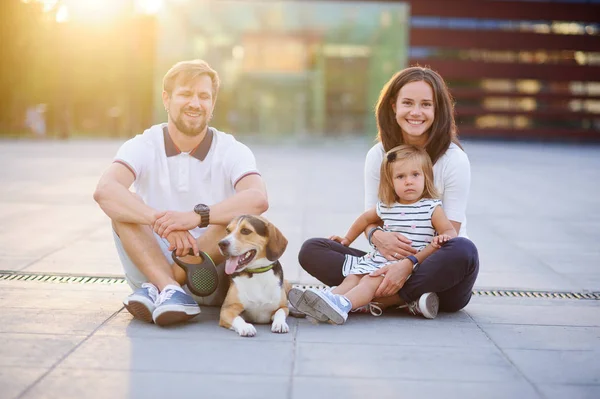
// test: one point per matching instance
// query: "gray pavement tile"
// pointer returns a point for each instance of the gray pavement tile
(360, 388)
(430, 363)
(241, 356)
(508, 336)
(51, 321)
(8, 262)
(587, 227)
(557, 367)
(14, 380)
(75, 256)
(580, 262)
(11, 210)
(536, 312)
(496, 254)
(35, 350)
(587, 281)
(15, 238)
(58, 286)
(50, 297)
(92, 267)
(554, 391)
(204, 327)
(320, 223)
(397, 330)
(101, 384)
(549, 280)
(544, 232)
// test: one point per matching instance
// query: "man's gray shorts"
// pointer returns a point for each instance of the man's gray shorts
(135, 278)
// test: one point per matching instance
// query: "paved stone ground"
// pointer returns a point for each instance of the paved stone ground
(533, 214)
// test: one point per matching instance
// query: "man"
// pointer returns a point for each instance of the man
(190, 181)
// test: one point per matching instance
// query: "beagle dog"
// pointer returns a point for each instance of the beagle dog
(257, 291)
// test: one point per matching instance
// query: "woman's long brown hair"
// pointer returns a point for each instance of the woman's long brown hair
(442, 131)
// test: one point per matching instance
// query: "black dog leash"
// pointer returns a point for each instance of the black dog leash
(202, 278)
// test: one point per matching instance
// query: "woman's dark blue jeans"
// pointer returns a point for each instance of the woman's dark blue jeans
(450, 272)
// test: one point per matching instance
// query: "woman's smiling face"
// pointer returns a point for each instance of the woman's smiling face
(415, 112)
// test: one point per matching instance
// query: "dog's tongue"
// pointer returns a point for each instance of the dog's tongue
(231, 264)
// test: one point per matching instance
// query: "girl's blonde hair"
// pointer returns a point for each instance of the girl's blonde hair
(402, 153)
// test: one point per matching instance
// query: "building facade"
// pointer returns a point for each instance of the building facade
(517, 69)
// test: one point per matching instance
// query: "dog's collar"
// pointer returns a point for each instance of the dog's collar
(260, 269)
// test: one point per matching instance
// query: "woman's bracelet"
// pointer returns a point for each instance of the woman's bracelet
(370, 234)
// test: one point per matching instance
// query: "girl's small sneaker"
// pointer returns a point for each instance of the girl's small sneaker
(334, 307)
(372, 307)
(297, 299)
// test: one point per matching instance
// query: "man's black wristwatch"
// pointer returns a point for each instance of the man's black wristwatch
(414, 261)
(204, 211)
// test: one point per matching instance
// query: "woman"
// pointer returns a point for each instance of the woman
(414, 107)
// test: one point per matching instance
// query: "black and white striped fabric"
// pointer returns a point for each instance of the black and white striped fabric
(413, 221)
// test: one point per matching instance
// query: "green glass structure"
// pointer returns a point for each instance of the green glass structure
(288, 68)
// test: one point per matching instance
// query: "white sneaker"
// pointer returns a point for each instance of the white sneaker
(427, 305)
(142, 302)
(174, 306)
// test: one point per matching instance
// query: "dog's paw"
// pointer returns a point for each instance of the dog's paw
(244, 329)
(280, 327)
(247, 330)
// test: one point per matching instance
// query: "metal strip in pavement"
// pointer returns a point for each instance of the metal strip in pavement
(9, 275)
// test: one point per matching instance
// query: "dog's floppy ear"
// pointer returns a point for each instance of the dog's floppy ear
(277, 243)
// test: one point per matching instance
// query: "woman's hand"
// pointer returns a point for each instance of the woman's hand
(169, 221)
(392, 246)
(395, 277)
(440, 240)
(342, 240)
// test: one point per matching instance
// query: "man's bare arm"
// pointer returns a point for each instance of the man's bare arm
(121, 205)
(250, 198)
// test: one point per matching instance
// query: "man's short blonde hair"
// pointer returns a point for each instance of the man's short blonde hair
(186, 71)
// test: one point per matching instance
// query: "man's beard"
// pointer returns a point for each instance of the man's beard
(190, 131)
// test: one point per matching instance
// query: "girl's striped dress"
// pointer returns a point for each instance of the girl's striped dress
(413, 221)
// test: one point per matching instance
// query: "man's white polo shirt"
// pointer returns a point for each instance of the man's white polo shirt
(168, 179)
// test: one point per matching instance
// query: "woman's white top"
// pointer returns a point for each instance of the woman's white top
(451, 175)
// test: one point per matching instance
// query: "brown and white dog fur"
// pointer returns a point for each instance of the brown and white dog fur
(253, 243)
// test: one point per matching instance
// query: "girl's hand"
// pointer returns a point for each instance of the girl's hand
(342, 240)
(440, 240)
(395, 277)
(392, 246)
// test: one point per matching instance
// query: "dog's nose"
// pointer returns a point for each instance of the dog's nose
(223, 244)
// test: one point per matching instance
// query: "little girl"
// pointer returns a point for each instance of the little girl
(407, 206)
